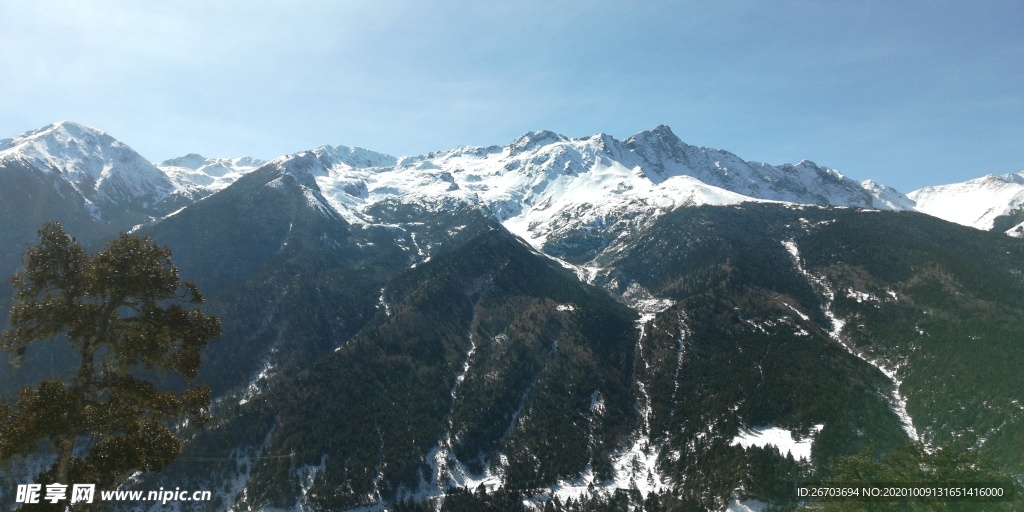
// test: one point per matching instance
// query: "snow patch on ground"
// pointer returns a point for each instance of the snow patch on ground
(258, 383)
(307, 476)
(382, 303)
(424, 257)
(1016, 231)
(635, 468)
(861, 297)
(798, 312)
(446, 471)
(835, 322)
(897, 401)
(808, 225)
(736, 505)
(643, 302)
(778, 437)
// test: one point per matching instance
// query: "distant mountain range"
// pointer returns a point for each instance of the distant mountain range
(538, 178)
(555, 324)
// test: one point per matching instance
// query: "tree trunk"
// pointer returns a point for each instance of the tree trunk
(83, 383)
(65, 450)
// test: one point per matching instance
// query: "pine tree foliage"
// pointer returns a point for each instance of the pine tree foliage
(123, 310)
(939, 465)
(385, 344)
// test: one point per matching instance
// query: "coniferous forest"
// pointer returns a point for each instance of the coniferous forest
(427, 357)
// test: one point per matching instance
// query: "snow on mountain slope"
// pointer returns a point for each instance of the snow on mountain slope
(805, 182)
(976, 203)
(547, 188)
(576, 194)
(192, 171)
(337, 172)
(886, 197)
(1016, 231)
(539, 185)
(101, 168)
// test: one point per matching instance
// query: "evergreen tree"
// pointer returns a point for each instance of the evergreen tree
(125, 311)
(952, 465)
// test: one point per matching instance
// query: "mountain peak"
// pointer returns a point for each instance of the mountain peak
(190, 161)
(99, 166)
(657, 147)
(304, 165)
(610, 145)
(72, 126)
(359, 158)
(886, 197)
(660, 135)
(55, 135)
(531, 140)
(977, 203)
(1017, 178)
(663, 130)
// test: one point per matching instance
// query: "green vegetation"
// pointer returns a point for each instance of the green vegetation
(914, 463)
(747, 343)
(122, 310)
(435, 343)
(378, 405)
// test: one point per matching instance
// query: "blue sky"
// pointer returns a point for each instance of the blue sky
(907, 93)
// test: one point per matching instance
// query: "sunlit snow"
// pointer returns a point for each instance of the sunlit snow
(974, 203)
(783, 439)
(898, 401)
(86, 157)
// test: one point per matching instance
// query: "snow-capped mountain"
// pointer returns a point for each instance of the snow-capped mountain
(196, 172)
(573, 197)
(569, 197)
(533, 186)
(198, 176)
(539, 171)
(557, 192)
(117, 185)
(104, 170)
(664, 155)
(387, 342)
(977, 203)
